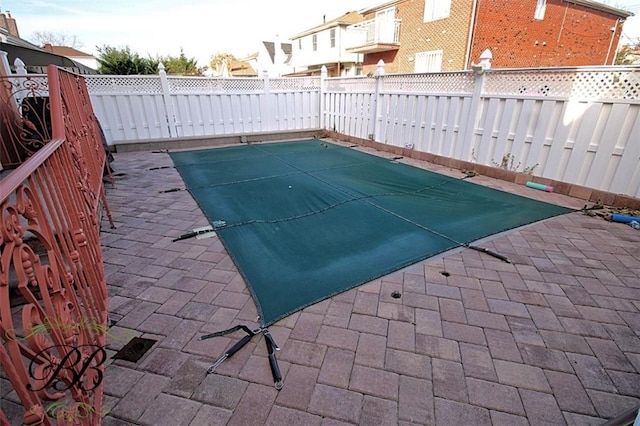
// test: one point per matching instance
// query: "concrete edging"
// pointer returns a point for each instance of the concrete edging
(190, 142)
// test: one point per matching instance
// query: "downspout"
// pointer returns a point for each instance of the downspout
(613, 36)
(564, 18)
(617, 50)
(471, 34)
(339, 31)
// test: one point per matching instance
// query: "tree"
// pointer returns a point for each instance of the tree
(219, 60)
(124, 62)
(55, 39)
(180, 65)
(629, 54)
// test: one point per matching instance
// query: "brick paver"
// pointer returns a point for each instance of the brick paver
(550, 339)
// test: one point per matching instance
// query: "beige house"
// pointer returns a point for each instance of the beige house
(325, 45)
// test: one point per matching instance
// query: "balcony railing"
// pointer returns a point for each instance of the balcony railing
(374, 35)
(53, 298)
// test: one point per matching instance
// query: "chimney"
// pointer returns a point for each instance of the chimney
(3, 22)
(12, 25)
(48, 46)
(9, 24)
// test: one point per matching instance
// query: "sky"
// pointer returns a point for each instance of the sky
(201, 28)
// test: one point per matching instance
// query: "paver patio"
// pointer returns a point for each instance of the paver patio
(552, 338)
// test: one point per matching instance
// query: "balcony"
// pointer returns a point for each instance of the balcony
(374, 35)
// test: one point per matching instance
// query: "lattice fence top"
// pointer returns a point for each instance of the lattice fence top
(294, 84)
(138, 84)
(351, 84)
(597, 83)
(204, 85)
(449, 82)
(22, 86)
(594, 84)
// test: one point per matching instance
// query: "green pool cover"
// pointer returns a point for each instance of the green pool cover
(307, 220)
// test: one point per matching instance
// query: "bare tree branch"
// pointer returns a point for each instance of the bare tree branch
(55, 39)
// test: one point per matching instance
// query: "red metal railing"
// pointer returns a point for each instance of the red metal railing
(53, 299)
(25, 117)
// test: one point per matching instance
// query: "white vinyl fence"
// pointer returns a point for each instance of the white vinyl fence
(576, 125)
(138, 108)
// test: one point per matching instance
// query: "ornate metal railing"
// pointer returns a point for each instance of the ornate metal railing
(53, 299)
(25, 117)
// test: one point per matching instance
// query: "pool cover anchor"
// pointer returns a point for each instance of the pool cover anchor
(489, 252)
(272, 347)
(273, 362)
(198, 232)
(204, 232)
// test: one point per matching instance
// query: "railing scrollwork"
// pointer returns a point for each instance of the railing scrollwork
(25, 115)
(53, 300)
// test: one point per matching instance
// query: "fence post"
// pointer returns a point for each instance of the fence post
(465, 149)
(376, 107)
(323, 90)
(269, 115)
(265, 77)
(16, 100)
(4, 63)
(20, 68)
(166, 96)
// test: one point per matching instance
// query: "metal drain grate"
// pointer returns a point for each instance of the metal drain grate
(135, 349)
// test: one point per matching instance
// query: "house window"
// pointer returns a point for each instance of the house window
(436, 9)
(430, 61)
(332, 37)
(385, 27)
(314, 40)
(300, 44)
(541, 6)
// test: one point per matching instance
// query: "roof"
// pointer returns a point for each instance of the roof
(241, 69)
(380, 6)
(36, 58)
(270, 46)
(348, 18)
(602, 7)
(66, 51)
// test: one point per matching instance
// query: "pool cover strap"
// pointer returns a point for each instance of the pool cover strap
(268, 339)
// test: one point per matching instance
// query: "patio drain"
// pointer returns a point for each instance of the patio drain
(135, 349)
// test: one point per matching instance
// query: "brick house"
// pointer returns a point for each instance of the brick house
(448, 35)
